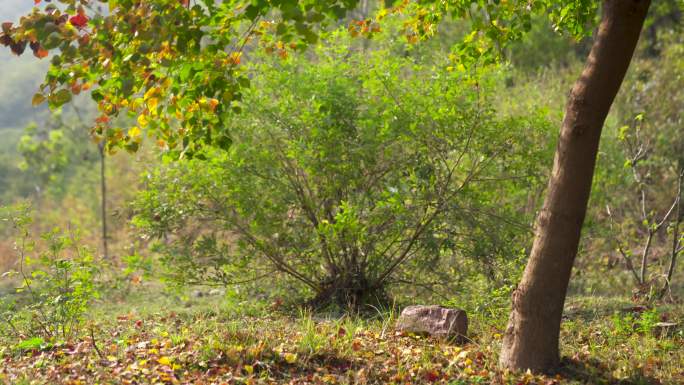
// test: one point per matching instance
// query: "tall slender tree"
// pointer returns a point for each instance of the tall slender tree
(531, 340)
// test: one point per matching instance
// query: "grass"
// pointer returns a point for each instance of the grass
(152, 337)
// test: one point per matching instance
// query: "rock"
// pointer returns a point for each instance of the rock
(433, 320)
(204, 293)
(216, 292)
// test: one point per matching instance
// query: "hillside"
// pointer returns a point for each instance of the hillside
(20, 75)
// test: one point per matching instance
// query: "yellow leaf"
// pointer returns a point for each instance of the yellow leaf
(249, 369)
(164, 361)
(235, 58)
(290, 358)
(142, 120)
(152, 104)
(213, 103)
(134, 131)
(136, 103)
(37, 99)
(111, 358)
(151, 92)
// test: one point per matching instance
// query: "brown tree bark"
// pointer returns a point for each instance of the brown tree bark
(531, 339)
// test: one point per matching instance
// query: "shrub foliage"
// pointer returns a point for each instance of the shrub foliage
(345, 171)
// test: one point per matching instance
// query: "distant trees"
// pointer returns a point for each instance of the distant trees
(54, 158)
(50, 151)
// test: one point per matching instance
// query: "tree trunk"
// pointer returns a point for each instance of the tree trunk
(531, 340)
(103, 207)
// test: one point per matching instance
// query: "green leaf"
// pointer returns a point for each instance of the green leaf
(53, 40)
(31, 344)
(59, 98)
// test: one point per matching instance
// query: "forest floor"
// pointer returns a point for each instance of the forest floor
(162, 339)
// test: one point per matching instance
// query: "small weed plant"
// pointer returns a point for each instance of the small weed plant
(628, 324)
(57, 282)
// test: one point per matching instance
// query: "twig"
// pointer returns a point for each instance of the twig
(675, 237)
(92, 340)
(628, 260)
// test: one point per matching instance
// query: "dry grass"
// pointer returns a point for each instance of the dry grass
(7, 256)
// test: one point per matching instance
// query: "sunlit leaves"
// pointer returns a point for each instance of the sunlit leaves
(193, 51)
(575, 17)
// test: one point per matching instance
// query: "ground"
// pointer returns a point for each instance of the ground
(217, 340)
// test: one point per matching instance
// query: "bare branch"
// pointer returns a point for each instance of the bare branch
(676, 249)
(625, 256)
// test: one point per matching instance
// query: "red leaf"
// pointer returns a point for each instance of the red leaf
(6, 40)
(76, 89)
(79, 21)
(40, 53)
(432, 376)
(18, 47)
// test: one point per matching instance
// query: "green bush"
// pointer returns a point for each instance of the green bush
(349, 173)
(57, 278)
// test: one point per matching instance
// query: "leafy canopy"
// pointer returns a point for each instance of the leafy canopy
(174, 65)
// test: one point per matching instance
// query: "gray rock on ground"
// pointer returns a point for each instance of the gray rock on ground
(433, 320)
(203, 293)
